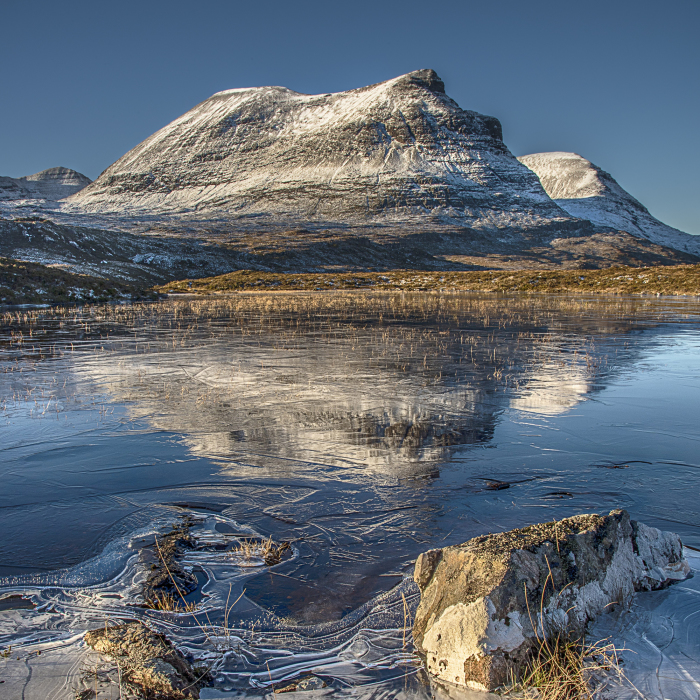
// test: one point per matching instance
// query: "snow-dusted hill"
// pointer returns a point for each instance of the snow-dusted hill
(587, 192)
(390, 176)
(398, 151)
(51, 184)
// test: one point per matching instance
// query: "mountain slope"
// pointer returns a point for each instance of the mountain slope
(587, 192)
(398, 151)
(51, 184)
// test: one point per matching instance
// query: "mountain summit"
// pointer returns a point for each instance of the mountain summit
(396, 151)
(51, 184)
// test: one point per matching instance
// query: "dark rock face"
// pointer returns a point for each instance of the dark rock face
(396, 152)
(167, 579)
(485, 603)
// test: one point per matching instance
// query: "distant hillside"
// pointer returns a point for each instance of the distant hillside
(31, 283)
(51, 184)
(587, 192)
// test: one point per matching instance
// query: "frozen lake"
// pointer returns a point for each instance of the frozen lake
(364, 429)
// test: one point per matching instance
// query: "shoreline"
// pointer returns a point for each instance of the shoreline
(680, 280)
(24, 283)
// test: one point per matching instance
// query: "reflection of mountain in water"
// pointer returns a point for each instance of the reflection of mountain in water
(388, 393)
(312, 406)
(555, 388)
(381, 419)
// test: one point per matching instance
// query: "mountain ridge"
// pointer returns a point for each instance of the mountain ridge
(393, 175)
(50, 184)
(588, 192)
(393, 152)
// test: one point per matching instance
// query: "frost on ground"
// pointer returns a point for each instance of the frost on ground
(369, 651)
(33, 283)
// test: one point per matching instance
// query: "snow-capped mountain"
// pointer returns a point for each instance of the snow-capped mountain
(390, 176)
(587, 192)
(397, 151)
(51, 184)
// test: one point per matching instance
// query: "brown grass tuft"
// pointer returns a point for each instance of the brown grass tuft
(565, 668)
(268, 550)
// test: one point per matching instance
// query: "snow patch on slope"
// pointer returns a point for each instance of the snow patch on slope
(587, 192)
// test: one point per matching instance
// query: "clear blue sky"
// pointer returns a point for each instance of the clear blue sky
(617, 81)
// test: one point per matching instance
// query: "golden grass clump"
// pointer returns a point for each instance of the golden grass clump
(268, 550)
(165, 602)
(566, 668)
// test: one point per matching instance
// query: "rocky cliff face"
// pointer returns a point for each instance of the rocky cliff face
(587, 192)
(51, 184)
(398, 151)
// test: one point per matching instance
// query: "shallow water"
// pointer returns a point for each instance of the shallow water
(364, 429)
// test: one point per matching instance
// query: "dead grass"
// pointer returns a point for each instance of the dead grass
(671, 280)
(563, 665)
(268, 550)
(167, 602)
(565, 668)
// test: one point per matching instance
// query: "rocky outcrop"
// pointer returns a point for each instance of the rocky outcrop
(147, 661)
(51, 184)
(397, 151)
(485, 603)
(587, 192)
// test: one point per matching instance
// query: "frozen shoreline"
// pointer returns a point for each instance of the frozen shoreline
(359, 657)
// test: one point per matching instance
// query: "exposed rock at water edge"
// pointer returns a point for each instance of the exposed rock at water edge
(484, 603)
(147, 662)
(167, 579)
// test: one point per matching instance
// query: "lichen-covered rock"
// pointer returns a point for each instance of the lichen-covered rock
(484, 603)
(148, 661)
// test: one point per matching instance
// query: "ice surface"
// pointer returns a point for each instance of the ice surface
(364, 430)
